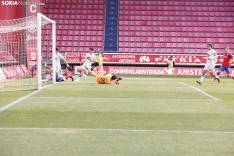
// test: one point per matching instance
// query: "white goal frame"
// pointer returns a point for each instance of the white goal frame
(39, 54)
(25, 44)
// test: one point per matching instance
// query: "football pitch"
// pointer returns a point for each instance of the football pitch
(143, 115)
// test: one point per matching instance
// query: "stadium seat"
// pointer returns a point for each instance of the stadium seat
(176, 25)
(213, 22)
(155, 23)
(85, 18)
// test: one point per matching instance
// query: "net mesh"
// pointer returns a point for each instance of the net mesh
(18, 52)
(29, 22)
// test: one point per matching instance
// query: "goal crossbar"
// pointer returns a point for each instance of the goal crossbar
(22, 23)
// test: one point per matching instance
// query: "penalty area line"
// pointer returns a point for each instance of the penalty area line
(118, 130)
(21, 99)
(204, 93)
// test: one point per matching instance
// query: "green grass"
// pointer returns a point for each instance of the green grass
(138, 103)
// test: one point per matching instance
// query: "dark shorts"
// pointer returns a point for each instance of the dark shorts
(95, 64)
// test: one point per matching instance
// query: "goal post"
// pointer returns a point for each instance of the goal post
(41, 17)
(27, 50)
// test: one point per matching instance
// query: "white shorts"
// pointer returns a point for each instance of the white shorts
(58, 68)
(48, 77)
(209, 67)
(62, 77)
(85, 67)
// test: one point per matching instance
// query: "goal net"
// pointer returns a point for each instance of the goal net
(27, 46)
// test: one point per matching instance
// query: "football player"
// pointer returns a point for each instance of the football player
(89, 59)
(210, 63)
(227, 60)
(104, 79)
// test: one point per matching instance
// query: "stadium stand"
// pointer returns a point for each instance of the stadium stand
(148, 26)
(80, 23)
(175, 26)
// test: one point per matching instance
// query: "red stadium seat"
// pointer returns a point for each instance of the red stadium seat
(186, 40)
(82, 49)
(187, 50)
(193, 51)
(180, 39)
(76, 44)
(174, 23)
(59, 38)
(68, 13)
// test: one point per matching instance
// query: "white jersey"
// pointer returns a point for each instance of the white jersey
(89, 59)
(58, 57)
(211, 57)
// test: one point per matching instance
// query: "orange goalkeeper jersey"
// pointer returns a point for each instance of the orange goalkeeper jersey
(104, 79)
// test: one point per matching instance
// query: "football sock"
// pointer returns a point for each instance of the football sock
(217, 74)
(202, 78)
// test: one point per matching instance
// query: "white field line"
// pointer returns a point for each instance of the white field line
(123, 98)
(134, 82)
(118, 130)
(204, 93)
(21, 99)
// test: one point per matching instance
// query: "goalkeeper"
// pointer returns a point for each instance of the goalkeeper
(105, 79)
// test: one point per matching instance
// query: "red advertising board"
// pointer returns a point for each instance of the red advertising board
(10, 72)
(74, 57)
(15, 71)
(2, 75)
(19, 71)
(177, 71)
(143, 59)
(6, 57)
(24, 68)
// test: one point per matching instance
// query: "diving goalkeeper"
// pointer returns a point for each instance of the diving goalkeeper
(104, 79)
